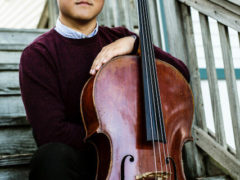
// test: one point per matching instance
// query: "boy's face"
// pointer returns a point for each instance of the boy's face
(82, 10)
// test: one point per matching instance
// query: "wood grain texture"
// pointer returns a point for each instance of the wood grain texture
(231, 84)
(193, 68)
(9, 83)
(175, 31)
(18, 140)
(10, 57)
(14, 173)
(9, 67)
(13, 120)
(117, 97)
(226, 160)
(11, 105)
(215, 11)
(228, 5)
(16, 159)
(212, 79)
(19, 36)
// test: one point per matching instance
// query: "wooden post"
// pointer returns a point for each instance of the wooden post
(43, 22)
(175, 32)
(212, 79)
(53, 12)
(231, 84)
(180, 49)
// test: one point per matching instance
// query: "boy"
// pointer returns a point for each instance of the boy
(53, 70)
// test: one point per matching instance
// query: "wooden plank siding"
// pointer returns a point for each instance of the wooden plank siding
(227, 15)
(193, 68)
(217, 12)
(231, 84)
(17, 143)
(217, 152)
(212, 78)
(14, 173)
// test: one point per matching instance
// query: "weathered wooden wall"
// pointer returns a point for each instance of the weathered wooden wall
(17, 144)
(214, 145)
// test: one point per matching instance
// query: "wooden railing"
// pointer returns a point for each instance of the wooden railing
(227, 15)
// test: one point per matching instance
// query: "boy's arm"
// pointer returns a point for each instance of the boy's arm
(43, 102)
(130, 45)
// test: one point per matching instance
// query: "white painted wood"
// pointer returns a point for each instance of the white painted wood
(212, 79)
(226, 160)
(193, 68)
(231, 84)
(217, 12)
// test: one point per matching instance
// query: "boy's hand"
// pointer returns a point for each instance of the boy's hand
(119, 47)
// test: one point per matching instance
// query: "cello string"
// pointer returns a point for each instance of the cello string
(157, 91)
(152, 78)
(158, 104)
(147, 78)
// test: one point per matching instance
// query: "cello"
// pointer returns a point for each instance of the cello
(137, 111)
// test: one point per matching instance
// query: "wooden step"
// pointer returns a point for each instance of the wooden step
(16, 159)
(7, 120)
(7, 56)
(9, 80)
(12, 173)
(19, 36)
(15, 141)
(12, 47)
(11, 105)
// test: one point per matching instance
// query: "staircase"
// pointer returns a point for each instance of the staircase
(17, 144)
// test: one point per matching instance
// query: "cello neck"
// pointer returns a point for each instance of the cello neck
(155, 130)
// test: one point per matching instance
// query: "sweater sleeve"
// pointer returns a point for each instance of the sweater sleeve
(178, 64)
(160, 54)
(42, 100)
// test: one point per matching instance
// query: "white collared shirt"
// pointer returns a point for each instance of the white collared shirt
(71, 33)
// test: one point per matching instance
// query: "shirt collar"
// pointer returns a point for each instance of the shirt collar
(71, 33)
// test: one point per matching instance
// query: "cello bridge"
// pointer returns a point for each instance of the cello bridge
(153, 175)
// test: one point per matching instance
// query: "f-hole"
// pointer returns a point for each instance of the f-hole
(131, 159)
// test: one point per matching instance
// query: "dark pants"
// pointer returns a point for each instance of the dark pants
(62, 162)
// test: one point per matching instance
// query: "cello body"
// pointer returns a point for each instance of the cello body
(112, 110)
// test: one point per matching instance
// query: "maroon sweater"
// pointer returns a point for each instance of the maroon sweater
(52, 72)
